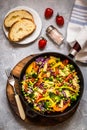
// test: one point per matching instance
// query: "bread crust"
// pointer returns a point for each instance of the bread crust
(16, 15)
(21, 29)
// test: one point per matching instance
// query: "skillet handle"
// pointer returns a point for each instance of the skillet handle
(30, 113)
(70, 55)
(75, 49)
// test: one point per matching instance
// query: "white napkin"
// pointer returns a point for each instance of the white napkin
(77, 29)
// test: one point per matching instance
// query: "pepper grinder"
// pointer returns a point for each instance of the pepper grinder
(79, 42)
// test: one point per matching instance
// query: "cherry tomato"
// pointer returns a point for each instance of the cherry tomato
(42, 43)
(59, 20)
(48, 13)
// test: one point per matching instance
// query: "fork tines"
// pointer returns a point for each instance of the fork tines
(8, 72)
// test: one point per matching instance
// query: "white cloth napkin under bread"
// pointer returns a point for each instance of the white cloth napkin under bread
(77, 28)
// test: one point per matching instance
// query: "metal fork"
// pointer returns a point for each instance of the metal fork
(11, 81)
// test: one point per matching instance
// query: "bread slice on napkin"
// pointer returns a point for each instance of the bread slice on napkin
(15, 16)
(21, 29)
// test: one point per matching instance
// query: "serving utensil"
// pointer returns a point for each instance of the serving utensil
(11, 81)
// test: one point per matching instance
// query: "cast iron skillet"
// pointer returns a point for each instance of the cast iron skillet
(53, 115)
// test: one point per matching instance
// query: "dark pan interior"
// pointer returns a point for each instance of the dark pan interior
(79, 73)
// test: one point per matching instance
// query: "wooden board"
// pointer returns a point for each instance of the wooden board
(9, 90)
(10, 96)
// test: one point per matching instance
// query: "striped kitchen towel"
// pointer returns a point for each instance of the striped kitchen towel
(77, 23)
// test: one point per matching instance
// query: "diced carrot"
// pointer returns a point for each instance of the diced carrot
(39, 82)
(39, 97)
(25, 87)
(65, 62)
(35, 67)
(32, 79)
(68, 77)
(44, 75)
(56, 71)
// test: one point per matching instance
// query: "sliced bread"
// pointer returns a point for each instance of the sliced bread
(15, 16)
(21, 29)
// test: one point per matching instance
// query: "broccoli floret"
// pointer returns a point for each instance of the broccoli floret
(74, 97)
(54, 97)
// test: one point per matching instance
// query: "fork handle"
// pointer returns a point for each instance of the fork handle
(20, 107)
